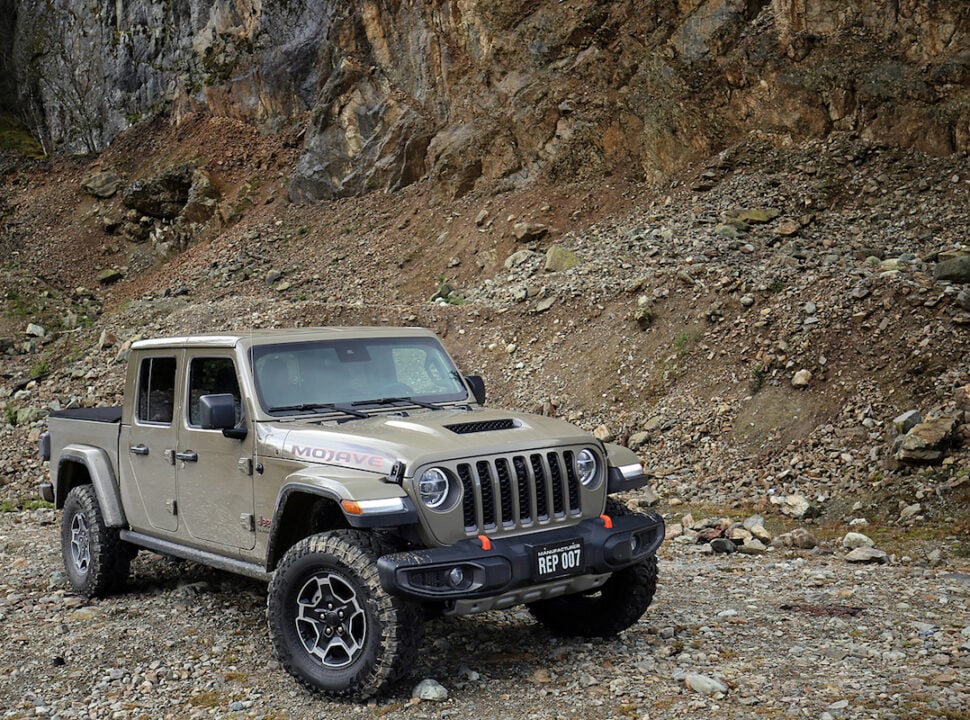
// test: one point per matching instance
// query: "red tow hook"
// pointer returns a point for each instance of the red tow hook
(607, 521)
(486, 543)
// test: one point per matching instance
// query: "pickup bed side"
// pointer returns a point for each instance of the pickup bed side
(91, 456)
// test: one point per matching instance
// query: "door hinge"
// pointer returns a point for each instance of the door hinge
(248, 522)
(172, 506)
(245, 466)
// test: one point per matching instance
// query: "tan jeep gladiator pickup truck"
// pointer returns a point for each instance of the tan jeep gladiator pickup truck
(359, 474)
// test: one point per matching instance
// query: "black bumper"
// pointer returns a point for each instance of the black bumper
(512, 563)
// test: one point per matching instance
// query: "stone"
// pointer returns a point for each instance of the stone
(752, 546)
(796, 506)
(544, 304)
(35, 330)
(518, 258)
(28, 415)
(801, 378)
(643, 317)
(529, 232)
(202, 199)
(162, 196)
(759, 532)
(559, 258)
(907, 421)
(273, 275)
(704, 685)
(103, 184)
(754, 216)
(110, 276)
(430, 690)
(953, 270)
(910, 511)
(723, 545)
(747, 300)
(803, 539)
(604, 433)
(787, 228)
(481, 217)
(738, 534)
(853, 540)
(107, 339)
(638, 439)
(867, 555)
(927, 442)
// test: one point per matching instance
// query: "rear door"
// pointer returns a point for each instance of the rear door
(215, 481)
(145, 452)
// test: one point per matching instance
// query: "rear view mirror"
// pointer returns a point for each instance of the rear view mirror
(477, 386)
(217, 412)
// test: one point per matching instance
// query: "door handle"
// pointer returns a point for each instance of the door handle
(138, 449)
(187, 455)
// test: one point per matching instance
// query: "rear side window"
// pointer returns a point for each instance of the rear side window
(156, 390)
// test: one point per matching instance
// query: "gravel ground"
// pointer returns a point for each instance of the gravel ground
(785, 634)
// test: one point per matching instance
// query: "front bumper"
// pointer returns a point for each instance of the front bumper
(510, 564)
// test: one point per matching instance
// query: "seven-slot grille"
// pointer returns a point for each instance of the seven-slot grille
(506, 492)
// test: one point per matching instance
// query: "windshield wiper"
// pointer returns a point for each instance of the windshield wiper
(398, 400)
(306, 407)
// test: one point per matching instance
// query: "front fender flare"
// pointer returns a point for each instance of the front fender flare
(337, 489)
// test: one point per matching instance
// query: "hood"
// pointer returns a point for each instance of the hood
(415, 437)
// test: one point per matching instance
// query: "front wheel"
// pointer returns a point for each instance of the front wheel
(333, 626)
(96, 559)
(603, 612)
(608, 609)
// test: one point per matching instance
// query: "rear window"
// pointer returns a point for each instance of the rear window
(156, 390)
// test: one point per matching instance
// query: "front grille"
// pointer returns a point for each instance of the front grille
(515, 491)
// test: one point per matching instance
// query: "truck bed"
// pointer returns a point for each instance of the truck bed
(95, 414)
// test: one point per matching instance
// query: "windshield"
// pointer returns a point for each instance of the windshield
(316, 376)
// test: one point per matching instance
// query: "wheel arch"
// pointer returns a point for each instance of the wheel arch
(302, 510)
(80, 465)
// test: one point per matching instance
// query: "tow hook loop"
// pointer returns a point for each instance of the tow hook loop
(486, 543)
(607, 521)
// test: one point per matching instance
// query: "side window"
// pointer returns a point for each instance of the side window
(156, 390)
(212, 376)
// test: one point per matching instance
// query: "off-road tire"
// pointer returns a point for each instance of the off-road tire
(317, 578)
(96, 559)
(608, 609)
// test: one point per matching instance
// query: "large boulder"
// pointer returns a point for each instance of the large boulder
(162, 196)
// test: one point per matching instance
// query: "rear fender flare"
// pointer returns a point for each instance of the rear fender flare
(102, 474)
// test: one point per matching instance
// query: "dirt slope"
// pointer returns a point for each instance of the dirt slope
(679, 330)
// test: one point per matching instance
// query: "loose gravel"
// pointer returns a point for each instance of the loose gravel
(785, 634)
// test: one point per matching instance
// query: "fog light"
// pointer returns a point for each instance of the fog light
(456, 576)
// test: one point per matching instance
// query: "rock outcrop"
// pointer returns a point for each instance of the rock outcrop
(498, 93)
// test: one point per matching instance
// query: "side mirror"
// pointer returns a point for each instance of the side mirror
(477, 386)
(218, 412)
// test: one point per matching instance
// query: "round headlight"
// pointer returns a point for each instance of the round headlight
(433, 487)
(586, 467)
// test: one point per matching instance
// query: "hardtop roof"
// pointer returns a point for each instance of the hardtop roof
(270, 337)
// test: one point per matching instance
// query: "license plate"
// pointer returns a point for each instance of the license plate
(558, 559)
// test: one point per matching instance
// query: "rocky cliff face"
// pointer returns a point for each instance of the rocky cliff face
(381, 93)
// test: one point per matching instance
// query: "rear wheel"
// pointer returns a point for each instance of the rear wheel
(333, 626)
(96, 559)
(608, 609)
